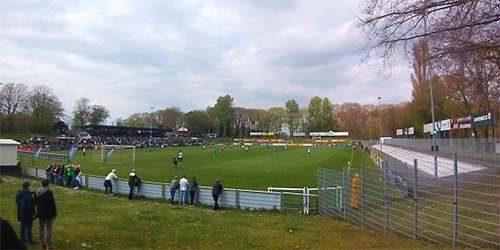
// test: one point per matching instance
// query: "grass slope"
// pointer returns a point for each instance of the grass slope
(260, 168)
(88, 219)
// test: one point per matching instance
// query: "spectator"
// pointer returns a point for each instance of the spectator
(26, 212)
(174, 185)
(69, 173)
(216, 191)
(193, 185)
(133, 181)
(8, 237)
(46, 213)
(183, 186)
(107, 182)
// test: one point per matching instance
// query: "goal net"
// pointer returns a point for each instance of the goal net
(114, 154)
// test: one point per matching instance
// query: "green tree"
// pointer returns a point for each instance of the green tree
(292, 114)
(136, 120)
(81, 113)
(45, 109)
(278, 118)
(197, 122)
(222, 114)
(171, 118)
(98, 114)
(320, 114)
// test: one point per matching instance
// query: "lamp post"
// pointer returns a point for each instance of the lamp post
(151, 125)
(380, 123)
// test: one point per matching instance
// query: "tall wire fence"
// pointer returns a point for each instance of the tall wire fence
(484, 148)
(459, 209)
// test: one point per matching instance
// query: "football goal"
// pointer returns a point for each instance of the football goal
(114, 154)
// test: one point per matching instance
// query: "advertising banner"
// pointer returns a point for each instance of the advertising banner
(411, 130)
(428, 127)
(299, 134)
(399, 132)
(483, 119)
(330, 133)
(461, 123)
(255, 133)
(445, 125)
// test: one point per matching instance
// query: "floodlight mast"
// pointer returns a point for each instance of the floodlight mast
(151, 126)
(380, 122)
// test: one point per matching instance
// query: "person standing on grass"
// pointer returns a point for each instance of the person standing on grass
(26, 212)
(133, 181)
(107, 182)
(181, 156)
(308, 152)
(46, 213)
(193, 185)
(216, 191)
(174, 185)
(183, 186)
(175, 161)
(84, 151)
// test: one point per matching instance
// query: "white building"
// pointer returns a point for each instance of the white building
(8, 157)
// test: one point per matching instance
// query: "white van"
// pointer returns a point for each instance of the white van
(84, 135)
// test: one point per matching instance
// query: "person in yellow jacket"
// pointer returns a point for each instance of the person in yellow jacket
(356, 189)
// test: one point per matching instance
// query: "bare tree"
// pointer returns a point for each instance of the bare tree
(13, 98)
(451, 26)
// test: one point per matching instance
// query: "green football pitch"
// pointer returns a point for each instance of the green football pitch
(258, 169)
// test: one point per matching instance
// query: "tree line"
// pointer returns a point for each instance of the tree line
(454, 44)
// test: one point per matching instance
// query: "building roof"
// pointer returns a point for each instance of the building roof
(8, 142)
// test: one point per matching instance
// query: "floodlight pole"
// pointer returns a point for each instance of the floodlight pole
(434, 131)
(151, 126)
(380, 123)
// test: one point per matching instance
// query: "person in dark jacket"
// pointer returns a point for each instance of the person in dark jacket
(193, 185)
(8, 237)
(216, 191)
(133, 181)
(174, 185)
(46, 213)
(26, 212)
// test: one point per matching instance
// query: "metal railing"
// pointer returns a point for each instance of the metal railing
(461, 209)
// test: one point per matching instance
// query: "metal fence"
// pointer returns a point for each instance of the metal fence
(474, 146)
(461, 209)
(43, 155)
(233, 198)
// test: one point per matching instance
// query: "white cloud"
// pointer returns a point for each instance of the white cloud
(130, 55)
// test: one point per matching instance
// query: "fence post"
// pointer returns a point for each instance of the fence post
(282, 202)
(415, 200)
(325, 191)
(86, 181)
(163, 191)
(362, 196)
(344, 192)
(386, 199)
(237, 199)
(455, 199)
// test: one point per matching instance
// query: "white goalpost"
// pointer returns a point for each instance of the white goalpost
(122, 153)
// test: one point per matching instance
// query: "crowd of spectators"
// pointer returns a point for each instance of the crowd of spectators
(139, 141)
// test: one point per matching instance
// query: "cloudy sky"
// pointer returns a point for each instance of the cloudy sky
(133, 55)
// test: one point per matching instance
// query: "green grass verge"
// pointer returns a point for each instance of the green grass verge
(88, 219)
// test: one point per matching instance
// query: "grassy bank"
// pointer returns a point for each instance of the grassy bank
(88, 219)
